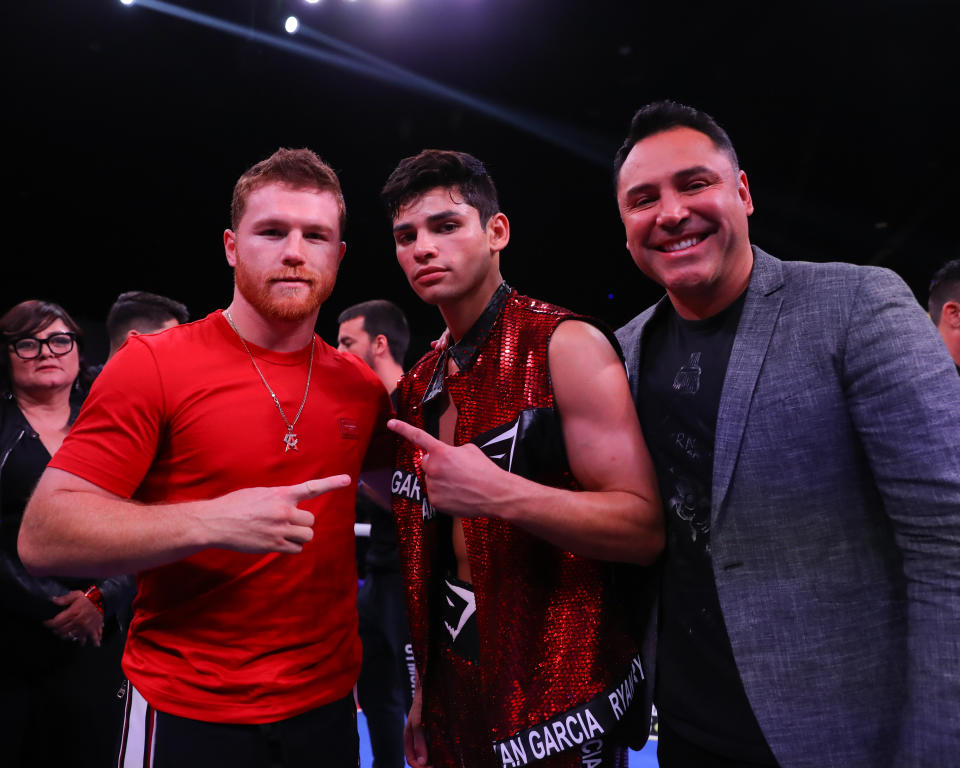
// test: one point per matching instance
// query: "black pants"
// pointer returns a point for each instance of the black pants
(384, 688)
(674, 751)
(325, 737)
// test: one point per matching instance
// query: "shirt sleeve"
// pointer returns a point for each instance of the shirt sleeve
(115, 438)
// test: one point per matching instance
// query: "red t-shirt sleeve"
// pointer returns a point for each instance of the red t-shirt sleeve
(114, 439)
(380, 449)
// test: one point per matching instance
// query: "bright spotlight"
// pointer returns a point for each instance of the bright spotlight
(292, 24)
(312, 2)
(128, 2)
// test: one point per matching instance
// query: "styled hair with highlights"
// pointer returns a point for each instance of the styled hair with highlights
(300, 168)
(446, 169)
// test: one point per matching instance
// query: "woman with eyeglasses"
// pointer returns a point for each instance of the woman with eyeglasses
(60, 639)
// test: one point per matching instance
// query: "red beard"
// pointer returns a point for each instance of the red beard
(269, 301)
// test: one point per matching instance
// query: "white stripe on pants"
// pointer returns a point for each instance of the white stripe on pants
(139, 732)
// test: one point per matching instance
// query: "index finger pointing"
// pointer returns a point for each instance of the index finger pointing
(321, 485)
(415, 435)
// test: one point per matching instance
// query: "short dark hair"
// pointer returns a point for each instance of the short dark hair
(25, 319)
(141, 311)
(300, 168)
(944, 287)
(660, 116)
(441, 168)
(382, 317)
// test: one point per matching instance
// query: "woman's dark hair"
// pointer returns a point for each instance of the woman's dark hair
(25, 319)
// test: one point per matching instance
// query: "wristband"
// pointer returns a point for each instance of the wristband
(95, 596)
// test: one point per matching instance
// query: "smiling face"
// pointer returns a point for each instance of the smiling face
(684, 208)
(285, 251)
(449, 257)
(47, 371)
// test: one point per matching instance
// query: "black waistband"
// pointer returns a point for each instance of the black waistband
(575, 727)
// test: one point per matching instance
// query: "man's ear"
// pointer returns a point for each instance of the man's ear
(132, 332)
(498, 231)
(230, 247)
(380, 345)
(743, 192)
(951, 314)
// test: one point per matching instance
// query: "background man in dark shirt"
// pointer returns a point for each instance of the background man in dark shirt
(377, 331)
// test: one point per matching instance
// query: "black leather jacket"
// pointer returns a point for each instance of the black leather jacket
(20, 592)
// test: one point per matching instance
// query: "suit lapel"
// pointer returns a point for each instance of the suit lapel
(760, 311)
(634, 354)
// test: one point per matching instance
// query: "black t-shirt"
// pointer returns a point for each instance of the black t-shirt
(379, 551)
(699, 691)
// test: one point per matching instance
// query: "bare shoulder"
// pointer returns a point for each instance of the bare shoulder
(579, 343)
(586, 372)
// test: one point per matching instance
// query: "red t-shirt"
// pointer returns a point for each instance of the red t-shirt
(182, 415)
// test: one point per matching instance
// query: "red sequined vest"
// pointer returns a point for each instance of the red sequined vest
(552, 636)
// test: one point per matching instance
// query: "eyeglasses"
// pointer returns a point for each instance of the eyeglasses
(30, 347)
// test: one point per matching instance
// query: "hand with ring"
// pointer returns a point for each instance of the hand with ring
(79, 621)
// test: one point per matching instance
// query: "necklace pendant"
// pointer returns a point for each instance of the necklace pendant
(291, 441)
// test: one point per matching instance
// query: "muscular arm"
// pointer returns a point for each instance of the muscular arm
(72, 526)
(618, 515)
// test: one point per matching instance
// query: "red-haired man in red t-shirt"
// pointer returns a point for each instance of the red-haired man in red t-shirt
(217, 459)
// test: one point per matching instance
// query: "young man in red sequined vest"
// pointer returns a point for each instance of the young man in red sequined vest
(521, 477)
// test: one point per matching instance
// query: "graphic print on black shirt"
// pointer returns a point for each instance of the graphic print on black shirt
(699, 692)
(690, 499)
(687, 380)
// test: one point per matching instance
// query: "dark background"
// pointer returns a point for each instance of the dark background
(126, 128)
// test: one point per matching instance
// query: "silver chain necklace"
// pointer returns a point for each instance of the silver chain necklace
(290, 440)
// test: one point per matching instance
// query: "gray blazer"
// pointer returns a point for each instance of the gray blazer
(835, 521)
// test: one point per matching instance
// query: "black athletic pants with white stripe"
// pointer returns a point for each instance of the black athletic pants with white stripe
(325, 737)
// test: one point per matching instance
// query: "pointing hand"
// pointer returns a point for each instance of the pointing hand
(266, 519)
(460, 480)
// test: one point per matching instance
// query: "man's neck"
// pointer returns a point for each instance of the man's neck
(697, 308)
(460, 315)
(389, 372)
(955, 351)
(699, 304)
(268, 332)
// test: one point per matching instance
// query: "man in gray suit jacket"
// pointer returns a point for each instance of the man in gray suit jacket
(804, 420)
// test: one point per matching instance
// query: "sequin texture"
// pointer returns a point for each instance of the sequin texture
(552, 635)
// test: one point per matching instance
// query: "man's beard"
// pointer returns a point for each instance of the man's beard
(256, 288)
(367, 357)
